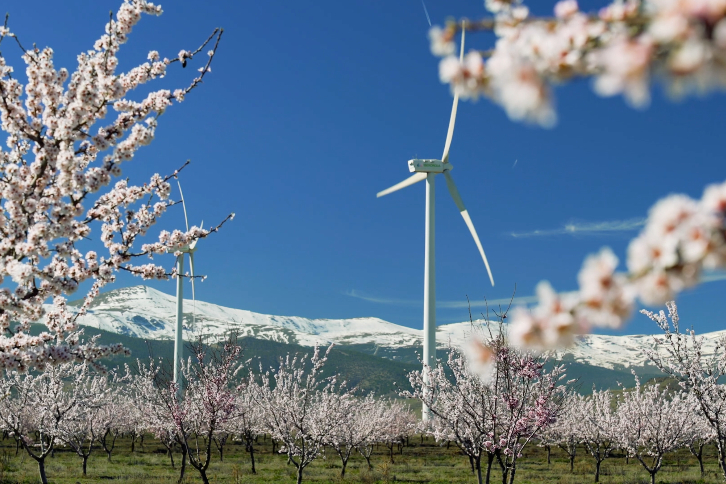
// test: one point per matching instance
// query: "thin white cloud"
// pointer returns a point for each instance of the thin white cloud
(381, 300)
(426, 11)
(713, 276)
(709, 276)
(481, 303)
(586, 228)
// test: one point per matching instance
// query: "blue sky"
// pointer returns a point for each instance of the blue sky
(314, 106)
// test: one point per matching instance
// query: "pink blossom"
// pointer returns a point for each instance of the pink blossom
(625, 65)
(441, 42)
(566, 8)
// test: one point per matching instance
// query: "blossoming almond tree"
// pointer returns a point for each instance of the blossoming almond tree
(623, 47)
(209, 400)
(700, 434)
(83, 426)
(206, 406)
(653, 422)
(598, 426)
(398, 425)
(36, 409)
(530, 398)
(371, 426)
(681, 355)
(245, 423)
(565, 432)
(354, 418)
(116, 417)
(297, 406)
(463, 406)
(154, 399)
(499, 414)
(68, 134)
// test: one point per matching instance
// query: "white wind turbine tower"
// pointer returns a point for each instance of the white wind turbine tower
(178, 332)
(428, 169)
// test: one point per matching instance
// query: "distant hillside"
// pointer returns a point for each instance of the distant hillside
(366, 372)
(369, 352)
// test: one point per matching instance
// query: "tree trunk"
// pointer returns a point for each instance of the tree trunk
(652, 477)
(171, 457)
(41, 470)
(597, 470)
(471, 464)
(514, 470)
(105, 444)
(478, 469)
(368, 461)
(251, 450)
(698, 454)
(342, 471)
(572, 463)
(203, 473)
(549, 451)
(299, 474)
(183, 464)
(85, 463)
(490, 459)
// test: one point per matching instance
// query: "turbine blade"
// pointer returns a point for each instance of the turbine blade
(194, 296)
(452, 119)
(461, 51)
(450, 134)
(415, 178)
(467, 219)
(184, 205)
(191, 270)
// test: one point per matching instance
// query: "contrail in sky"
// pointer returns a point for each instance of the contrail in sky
(587, 228)
(426, 12)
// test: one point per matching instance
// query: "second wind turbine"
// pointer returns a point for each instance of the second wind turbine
(427, 170)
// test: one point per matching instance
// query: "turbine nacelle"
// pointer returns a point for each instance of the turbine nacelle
(428, 166)
(422, 167)
(189, 248)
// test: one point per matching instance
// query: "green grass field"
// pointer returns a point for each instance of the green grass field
(419, 463)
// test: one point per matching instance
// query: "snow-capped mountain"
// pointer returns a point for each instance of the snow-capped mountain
(143, 312)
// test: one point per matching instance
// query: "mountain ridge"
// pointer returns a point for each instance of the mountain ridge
(144, 312)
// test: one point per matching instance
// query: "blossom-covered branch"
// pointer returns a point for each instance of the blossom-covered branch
(622, 47)
(68, 134)
(681, 238)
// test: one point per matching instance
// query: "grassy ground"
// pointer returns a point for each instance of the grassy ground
(420, 462)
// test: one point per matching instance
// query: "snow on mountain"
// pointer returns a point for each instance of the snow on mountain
(146, 313)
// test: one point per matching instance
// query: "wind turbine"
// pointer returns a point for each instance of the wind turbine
(178, 332)
(427, 169)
